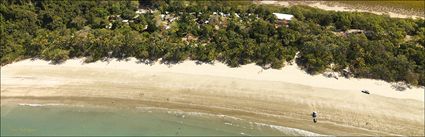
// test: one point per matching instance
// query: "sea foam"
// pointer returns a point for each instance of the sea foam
(39, 105)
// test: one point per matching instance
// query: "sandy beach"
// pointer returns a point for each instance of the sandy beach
(338, 7)
(280, 97)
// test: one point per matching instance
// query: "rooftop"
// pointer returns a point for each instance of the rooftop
(282, 16)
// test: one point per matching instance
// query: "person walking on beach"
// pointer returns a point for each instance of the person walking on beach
(314, 115)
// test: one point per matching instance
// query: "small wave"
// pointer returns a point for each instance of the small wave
(39, 105)
(242, 133)
(181, 112)
(291, 131)
(227, 123)
(286, 130)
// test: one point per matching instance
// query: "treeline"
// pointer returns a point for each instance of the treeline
(235, 32)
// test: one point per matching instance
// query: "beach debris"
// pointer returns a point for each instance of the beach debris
(366, 91)
(400, 86)
(330, 75)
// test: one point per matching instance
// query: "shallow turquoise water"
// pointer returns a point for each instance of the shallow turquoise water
(68, 120)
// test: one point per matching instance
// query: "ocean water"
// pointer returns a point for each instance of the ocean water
(56, 119)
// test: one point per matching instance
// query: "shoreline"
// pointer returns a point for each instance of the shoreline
(189, 108)
(148, 109)
(279, 97)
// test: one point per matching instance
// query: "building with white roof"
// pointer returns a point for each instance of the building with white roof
(282, 16)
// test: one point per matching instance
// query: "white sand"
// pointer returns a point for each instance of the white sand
(289, 74)
(280, 97)
(323, 6)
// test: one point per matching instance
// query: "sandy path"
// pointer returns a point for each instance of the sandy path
(322, 5)
(282, 97)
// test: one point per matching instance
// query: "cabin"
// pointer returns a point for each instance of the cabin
(188, 38)
(114, 17)
(283, 19)
(143, 11)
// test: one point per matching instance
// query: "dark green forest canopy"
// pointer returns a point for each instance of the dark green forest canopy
(355, 44)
